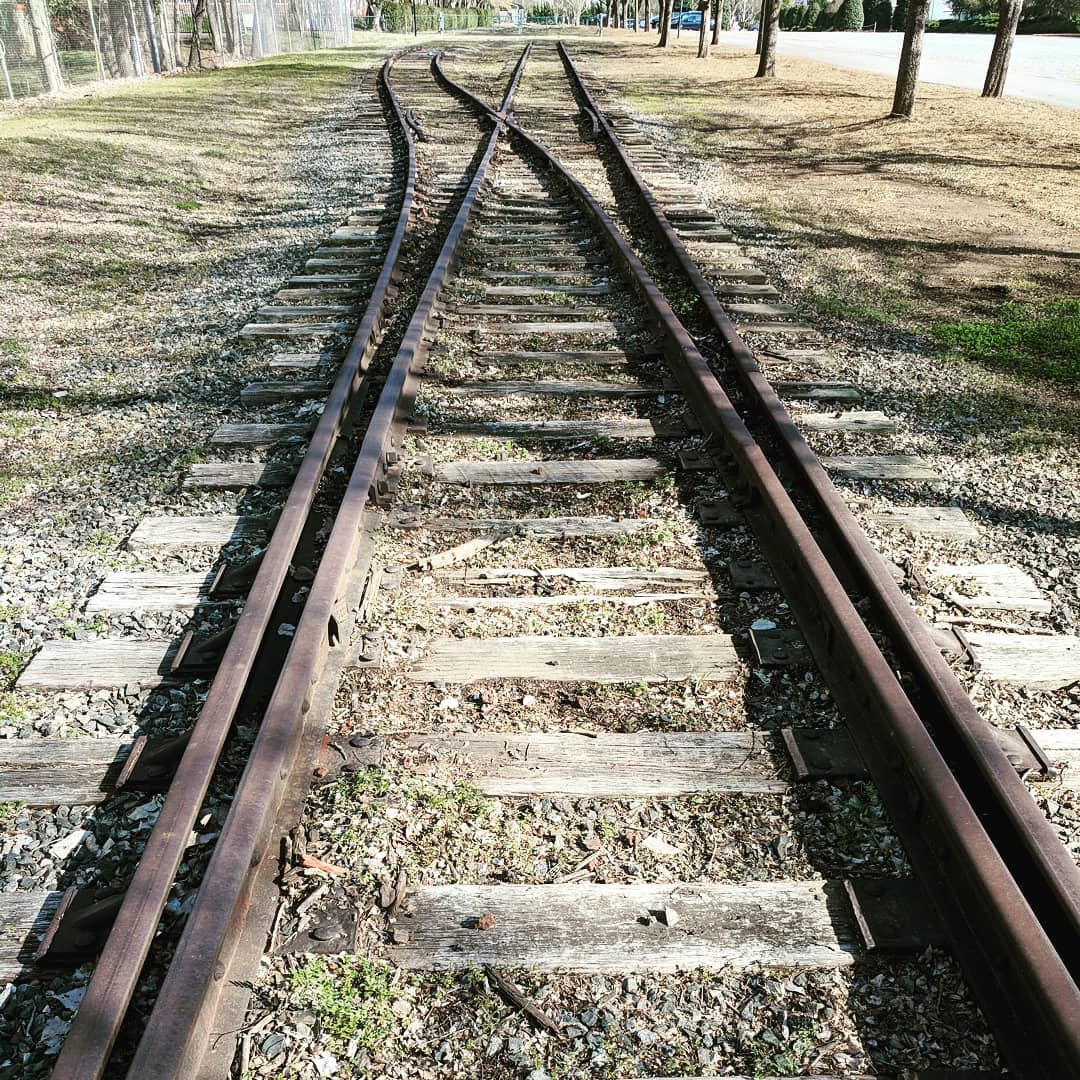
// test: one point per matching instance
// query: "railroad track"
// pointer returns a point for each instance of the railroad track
(536, 561)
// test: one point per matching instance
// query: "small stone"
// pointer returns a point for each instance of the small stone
(273, 1045)
(325, 1063)
(669, 916)
(659, 846)
(486, 921)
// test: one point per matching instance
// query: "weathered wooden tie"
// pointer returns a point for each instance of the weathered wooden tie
(594, 471)
(615, 659)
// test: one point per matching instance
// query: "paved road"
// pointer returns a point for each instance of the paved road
(1042, 68)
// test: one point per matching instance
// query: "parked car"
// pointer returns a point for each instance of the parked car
(691, 20)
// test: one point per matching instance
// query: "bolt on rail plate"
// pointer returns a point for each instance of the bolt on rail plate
(779, 648)
(827, 753)
(748, 574)
(718, 512)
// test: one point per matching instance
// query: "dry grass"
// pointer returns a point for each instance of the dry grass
(971, 202)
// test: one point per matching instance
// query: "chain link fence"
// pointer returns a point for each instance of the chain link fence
(46, 45)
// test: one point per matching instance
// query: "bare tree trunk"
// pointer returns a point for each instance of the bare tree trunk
(718, 11)
(45, 46)
(112, 33)
(770, 31)
(221, 26)
(198, 9)
(760, 29)
(703, 33)
(135, 39)
(213, 17)
(1008, 20)
(908, 76)
(665, 22)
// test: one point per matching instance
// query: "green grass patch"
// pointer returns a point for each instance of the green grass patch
(13, 350)
(879, 311)
(8, 810)
(1040, 340)
(11, 663)
(10, 711)
(351, 996)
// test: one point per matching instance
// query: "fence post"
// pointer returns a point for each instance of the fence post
(151, 37)
(136, 44)
(94, 37)
(3, 68)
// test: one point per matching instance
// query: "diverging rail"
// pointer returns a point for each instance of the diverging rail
(1016, 949)
(180, 1026)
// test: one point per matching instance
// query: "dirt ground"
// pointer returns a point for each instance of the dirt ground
(970, 203)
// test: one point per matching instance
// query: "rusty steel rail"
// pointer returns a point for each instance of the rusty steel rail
(89, 1041)
(178, 1031)
(1019, 829)
(1017, 966)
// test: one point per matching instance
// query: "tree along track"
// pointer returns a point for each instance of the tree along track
(1003, 882)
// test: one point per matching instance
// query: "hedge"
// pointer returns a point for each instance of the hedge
(397, 17)
(850, 15)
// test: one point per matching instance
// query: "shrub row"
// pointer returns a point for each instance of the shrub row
(855, 14)
(397, 17)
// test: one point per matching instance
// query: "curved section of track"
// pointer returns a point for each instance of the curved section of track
(1010, 893)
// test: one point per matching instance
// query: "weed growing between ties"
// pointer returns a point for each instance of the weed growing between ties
(351, 998)
(11, 663)
(1034, 340)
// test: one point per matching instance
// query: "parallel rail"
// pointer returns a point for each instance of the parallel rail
(89, 1042)
(180, 1027)
(1005, 885)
